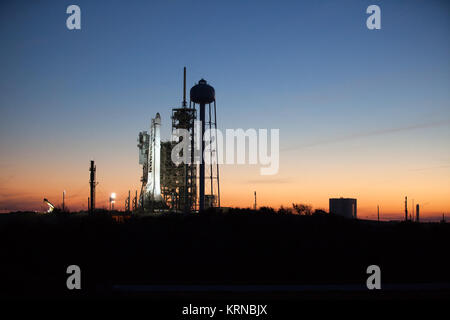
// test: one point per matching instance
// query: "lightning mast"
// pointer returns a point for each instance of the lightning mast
(92, 184)
(406, 208)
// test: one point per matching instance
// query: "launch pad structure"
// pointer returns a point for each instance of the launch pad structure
(167, 186)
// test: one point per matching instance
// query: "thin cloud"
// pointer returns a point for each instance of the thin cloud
(270, 181)
(369, 134)
(431, 168)
(6, 180)
(20, 204)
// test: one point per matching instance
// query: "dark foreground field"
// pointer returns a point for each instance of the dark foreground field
(239, 254)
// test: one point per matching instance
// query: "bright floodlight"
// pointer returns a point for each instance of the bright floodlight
(113, 196)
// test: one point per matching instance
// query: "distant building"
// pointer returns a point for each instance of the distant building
(345, 207)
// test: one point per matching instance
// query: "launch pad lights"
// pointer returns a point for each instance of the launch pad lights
(112, 200)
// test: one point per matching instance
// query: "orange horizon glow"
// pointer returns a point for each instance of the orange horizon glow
(361, 113)
(291, 185)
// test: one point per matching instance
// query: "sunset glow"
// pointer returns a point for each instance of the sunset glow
(361, 114)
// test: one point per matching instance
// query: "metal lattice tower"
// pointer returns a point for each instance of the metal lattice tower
(178, 182)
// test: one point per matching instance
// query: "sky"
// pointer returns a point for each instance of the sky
(362, 113)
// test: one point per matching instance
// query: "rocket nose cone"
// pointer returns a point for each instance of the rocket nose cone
(158, 119)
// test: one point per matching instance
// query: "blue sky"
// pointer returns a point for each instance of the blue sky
(288, 59)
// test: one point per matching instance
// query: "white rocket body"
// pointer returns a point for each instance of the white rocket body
(153, 188)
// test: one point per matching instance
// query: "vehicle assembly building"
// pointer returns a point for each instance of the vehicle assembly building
(180, 187)
(345, 207)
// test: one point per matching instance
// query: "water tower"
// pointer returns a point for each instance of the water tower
(202, 94)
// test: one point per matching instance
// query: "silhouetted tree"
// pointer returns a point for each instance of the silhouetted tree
(319, 211)
(284, 210)
(302, 209)
(267, 210)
